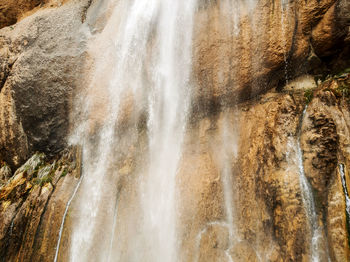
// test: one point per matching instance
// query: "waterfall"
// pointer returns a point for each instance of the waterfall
(346, 193)
(309, 202)
(229, 151)
(64, 218)
(143, 67)
(143, 55)
(284, 19)
(168, 105)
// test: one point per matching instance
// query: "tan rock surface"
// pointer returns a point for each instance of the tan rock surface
(241, 51)
(32, 204)
(41, 65)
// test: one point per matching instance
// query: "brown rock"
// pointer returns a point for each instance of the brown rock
(213, 244)
(336, 221)
(5, 174)
(242, 252)
(244, 51)
(41, 65)
(11, 11)
(27, 202)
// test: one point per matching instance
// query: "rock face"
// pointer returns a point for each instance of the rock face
(326, 141)
(40, 66)
(251, 206)
(238, 52)
(244, 49)
(32, 204)
(12, 11)
(265, 183)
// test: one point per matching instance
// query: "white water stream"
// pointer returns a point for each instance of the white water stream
(143, 55)
(345, 188)
(309, 203)
(306, 190)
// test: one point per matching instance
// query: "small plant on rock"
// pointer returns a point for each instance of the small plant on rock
(308, 94)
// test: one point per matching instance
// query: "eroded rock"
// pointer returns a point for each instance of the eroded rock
(29, 203)
(41, 65)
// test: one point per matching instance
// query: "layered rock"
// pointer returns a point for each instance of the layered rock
(32, 205)
(325, 140)
(270, 219)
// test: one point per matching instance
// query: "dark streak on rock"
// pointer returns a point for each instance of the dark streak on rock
(85, 10)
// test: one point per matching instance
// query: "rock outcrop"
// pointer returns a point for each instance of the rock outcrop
(32, 205)
(271, 222)
(243, 49)
(41, 64)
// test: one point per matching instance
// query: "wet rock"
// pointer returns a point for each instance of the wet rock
(320, 141)
(41, 64)
(213, 244)
(27, 202)
(337, 222)
(325, 143)
(264, 185)
(5, 174)
(245, 51)
(243, 252)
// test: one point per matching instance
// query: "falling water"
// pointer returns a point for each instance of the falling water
(168, 104)
(346, 193)
(144, 53)
(284, 15)
(229, 151)
(110, 252)
(64, 219)
(309, 202)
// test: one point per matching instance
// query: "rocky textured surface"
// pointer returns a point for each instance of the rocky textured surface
(237, 54)
(11, 11)
(32, 204)
(265, 183)
(40, 65)
(325, 142)
(239, 57)
(269, 215)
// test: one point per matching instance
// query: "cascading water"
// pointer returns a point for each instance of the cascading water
(168, 106)
(307, 194)
(284, 14)
(229, 151)
(64, 219)
(143, 64)
(143, 54)
(309, 202)
(345, 188)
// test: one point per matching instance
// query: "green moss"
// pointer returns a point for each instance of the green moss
(32, 166)
(343, 73)
(342, 90)
(65, 172)
(45, 174)
(42, 181)
(308, 95)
